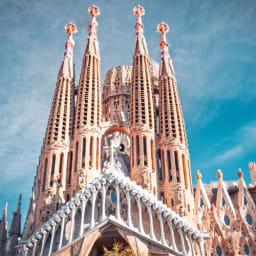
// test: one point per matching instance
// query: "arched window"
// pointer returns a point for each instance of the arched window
(218, 251)
(249, 219)
(246, 249)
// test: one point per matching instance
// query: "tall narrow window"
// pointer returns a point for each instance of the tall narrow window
(145, 150)
(44, 174)
(169, 165)
(91, 151)
(185, 171)
(132, 156)
(138, 150)
(61, 162)
(177, 166)
(53, 164)
(160, 176)
(153, 155)
(163, 165)
(61, 167)
(84, 147)
(76, 156)
(162, 196)
(97, 154)
(83, 152)
(70, 166)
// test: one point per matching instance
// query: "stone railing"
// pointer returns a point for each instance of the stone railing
(94, 205)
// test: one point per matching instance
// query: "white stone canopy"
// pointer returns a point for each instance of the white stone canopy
(36, 244)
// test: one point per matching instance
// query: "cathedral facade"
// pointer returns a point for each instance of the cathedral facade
(115, 166)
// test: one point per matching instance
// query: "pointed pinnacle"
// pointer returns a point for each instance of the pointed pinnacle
(94, 11)
(139, 11)
(163, 28)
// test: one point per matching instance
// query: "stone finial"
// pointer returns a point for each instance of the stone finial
(70, 29)
(240, 173)
(94, 11)
(252, 171)
(219, 174)
(252, 166)
(198, 175)
(163, 28)
(139, 11)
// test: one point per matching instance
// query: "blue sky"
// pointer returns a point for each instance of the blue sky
(213, 47)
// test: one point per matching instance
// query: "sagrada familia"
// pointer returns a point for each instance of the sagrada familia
(115, 166)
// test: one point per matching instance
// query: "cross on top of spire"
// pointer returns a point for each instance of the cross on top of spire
(163, 28)
(94, 11)
(139, 11)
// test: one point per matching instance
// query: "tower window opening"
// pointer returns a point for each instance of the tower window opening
(138, 149)
(44, 176)
(145, 150)
(61, 162)
(177, 165)
(153, 155)
(84, 147)
(70, 166)
(97, 154)
(163, 165)
(91, 151)
(169, 165)
(76, 156)
(159, 165)
(53, 164)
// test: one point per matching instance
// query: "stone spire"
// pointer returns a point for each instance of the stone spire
(3, 230)
(85, 153)
(140, 41)
(54, 156)
(252, 170)
(174, 175)
(141, 113)
(14, 231)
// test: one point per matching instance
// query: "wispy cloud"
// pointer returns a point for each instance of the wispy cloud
(240, 143)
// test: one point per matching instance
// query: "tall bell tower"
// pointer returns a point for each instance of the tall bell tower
(142, 139)
(84, 157)
(52, 167)
(174, 179)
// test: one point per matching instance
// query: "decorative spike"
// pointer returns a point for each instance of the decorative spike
(163, 28)
(240, 173)
(219, 174)
(139, 11)
(94, 11)
(198, 175)
(70, 29)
